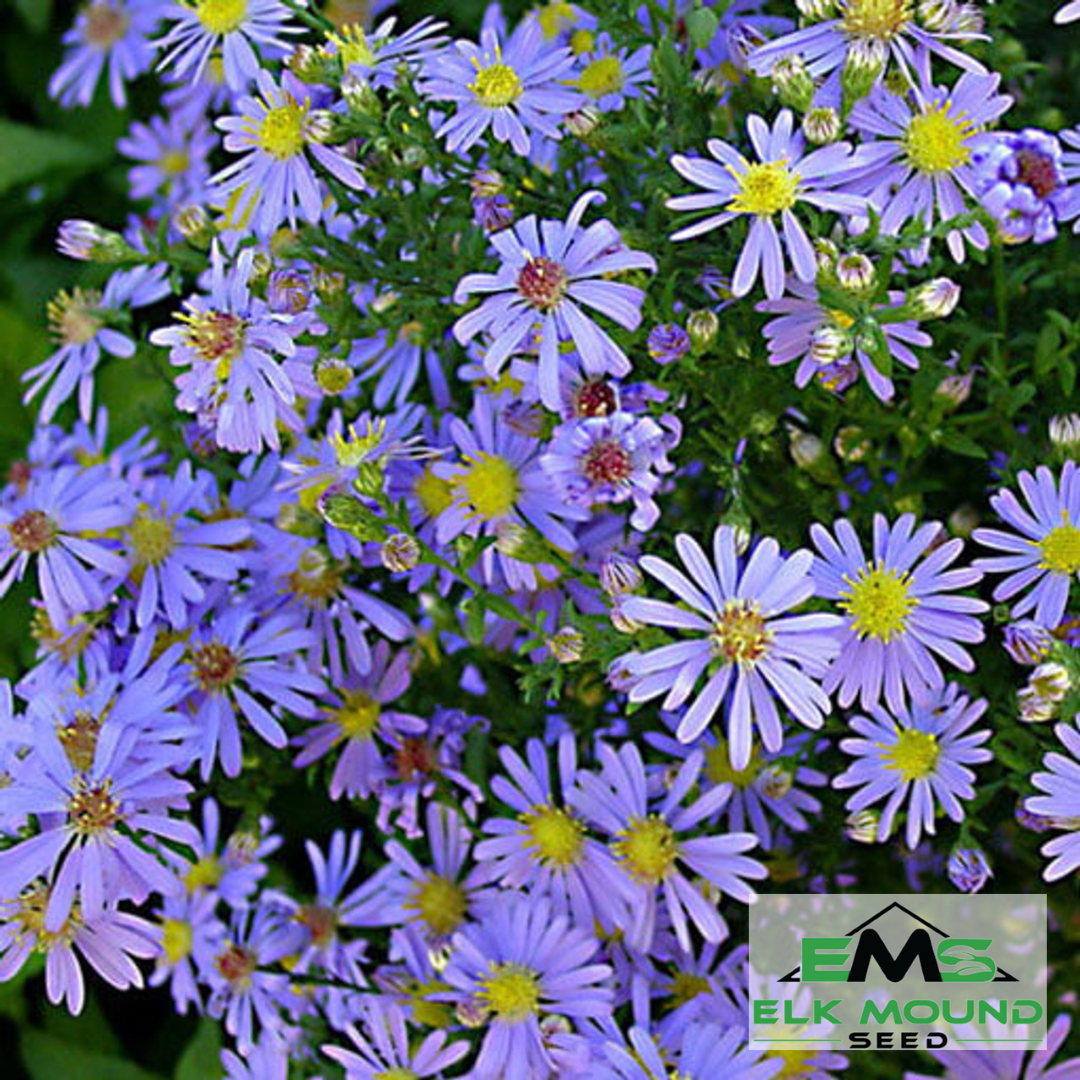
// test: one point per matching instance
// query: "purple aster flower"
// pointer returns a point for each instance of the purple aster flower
(981, 1062)
(268, 1060)
(921, 160)
(173, 159)
(376, 55)
(650, 841)
(171, 549)
(897, 609)
(918, 758)
(60, 523)
(233, 29)
(1069, 13)
(188, 928)
(228, 341)
(750, 651)
(610, 459)
(668, 342)
(515, 92)
(80, 323)
(969, 869)
(704, 1051)
(107, 943)
(499, 483)
(1060, 803)
(1027, 642)
(106, 32)
(394, 361)
(867, 33)
(359, 722)
(820, 338)
(231, 664)
(90, 819)
(609, 75)
(548, 271)
(545, 848)
(520, 961)
(1044, 558)
(384, 1049)
(783, 177)
(1019, 179)
(275, 180)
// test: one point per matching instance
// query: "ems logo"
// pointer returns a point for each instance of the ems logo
(930, 971)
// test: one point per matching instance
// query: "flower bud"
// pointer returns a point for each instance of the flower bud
(1027, 642)
(955, 389)
(935, 299)
(567, 645)
(964, 520)
(969, 869)
(1065, 431)
(829, 344)
(702, 325)
(855, 272)
(792, 83)
(320, 125)
(936, 15)
(308, 64)
(334, 375)
(668, 342)
(400, 553)
(862, 827)
(194, 225)
(826, 253)
(623, 622)
(851, 445)
(807, 450)
(866, 61)
(88, 242)
(1034, 708)
(1050, 681)
(583, 122)
(822, 125)
(287, 292)
(360, 97)
(350, 515)
(816, 10)
(619, 575)
(775, 781)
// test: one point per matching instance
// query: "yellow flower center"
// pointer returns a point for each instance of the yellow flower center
(151, 538)
(936, 141)
(648, 848)
(490, 486)
(799, 1063)
(433, 492)
(215, 665)
(741, 635)
(221, 16)
(396, 1074)
(879, 602)
(1061, 549)
(352, 46)
(882, 19)
(281, 132)
(555, 17)
(440, 903)
(176, 940)
(216, 336)
(685, 986)
(79, 739)
(33, 903)
(93, 809)
(359, 716)
(602, 77)
(75, 317)
(496, 85)
(173, 163)
(555, 836)
(915, 754)
(511, 991)
(718, 766)
(316, 579)
(204, 874)
(765, 189)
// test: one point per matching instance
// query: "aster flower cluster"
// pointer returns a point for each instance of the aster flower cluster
(478, 621)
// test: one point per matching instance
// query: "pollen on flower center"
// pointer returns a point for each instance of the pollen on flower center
(281, 133)
(879, 602)
(602, 77)
(321, 922)
(686, 985)
(177, 939)
(216, 336)
(648, 848)
(79, 739)
(496, 85)
(799, 1064)
(93, 808)
(881, 19)
(595, 398)
(765, 189)
(1061, 550)
(936, 141)
(221, 16)
(216, 666)
(152, 538)
(914, 755)
(607, 462)
(316, 578)
(105, 25)
(359, 716)
(741, 635)
(433, 492)
(32, 532)
(75, 317)
(718, 766)
(1038, 171)
(396, 1074)
(352, 46)
(555, 836)
(543, 281)
(415, 758)
(511, 991)
(236, 965)
(490, 486)
(204, 874)
(440, 903)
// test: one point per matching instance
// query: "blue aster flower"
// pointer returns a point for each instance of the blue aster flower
(173, 159)
(1059, 803)
(375, 55)
(609, 76)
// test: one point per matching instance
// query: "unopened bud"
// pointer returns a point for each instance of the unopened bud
(822, 125)
(816, 10)
(567, 645)
(309, 65)
(702, 325)
(954, 389)
(826, 253)
(194, 225)
(400, 553)
(862, 827)
(1034, 708)
(88, 242)
(866, 61)
(807, 450)
(935, 299)
(969, 869)
(775, 781)
(855, 272)
(792, 83)
(1051, 681)
(829, 344)
(964, 520)
(621, 621)
(619, 575)
(352, 516)
(320, 126)
(583, 122)
(851, 445)
(1027, 642)
(1065, 431)
(359, 96)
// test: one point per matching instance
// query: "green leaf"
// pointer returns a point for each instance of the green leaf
(35, 13)
(701, 25)
(47, 1057)
(959, 443)
(29, 154)
(201, 1058)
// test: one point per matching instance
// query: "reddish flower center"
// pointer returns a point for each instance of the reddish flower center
(321, 923)
(607, 463)
(237, 965)
(542, 282)
(105, 25)
(19, 474)
(1038, 172)
(32, 532)
(595, 398)
(414, 758)
(93, 808)
(216, 666)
